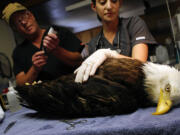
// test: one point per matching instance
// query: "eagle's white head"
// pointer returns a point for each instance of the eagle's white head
(162, 79)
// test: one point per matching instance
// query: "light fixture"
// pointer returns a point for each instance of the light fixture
(77, 5)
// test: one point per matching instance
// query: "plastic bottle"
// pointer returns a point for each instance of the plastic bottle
(1, 113)
(14, 104)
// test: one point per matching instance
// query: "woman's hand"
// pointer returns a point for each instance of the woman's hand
(90, 65)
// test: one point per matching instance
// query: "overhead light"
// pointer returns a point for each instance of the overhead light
(77, 5)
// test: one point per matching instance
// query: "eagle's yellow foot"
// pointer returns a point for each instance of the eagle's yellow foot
(27, 83)
(34, 83)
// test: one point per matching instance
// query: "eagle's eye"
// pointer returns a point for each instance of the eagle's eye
(168, 88)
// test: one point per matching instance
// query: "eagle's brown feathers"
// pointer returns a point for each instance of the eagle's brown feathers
(118, 87)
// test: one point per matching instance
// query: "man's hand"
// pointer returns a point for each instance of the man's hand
(39, 59)
(51, 42)
(90, 65)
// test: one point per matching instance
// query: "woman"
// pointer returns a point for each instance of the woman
(129, 37)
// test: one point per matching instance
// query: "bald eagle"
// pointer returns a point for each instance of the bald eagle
(120, 86)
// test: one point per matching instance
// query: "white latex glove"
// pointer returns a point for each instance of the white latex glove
(90, 65)
(1, 113)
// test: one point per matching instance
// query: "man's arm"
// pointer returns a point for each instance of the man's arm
(51, 43)
(70, 58)
(30, 76)
(38, 61)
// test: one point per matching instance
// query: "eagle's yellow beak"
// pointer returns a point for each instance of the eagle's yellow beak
(164, 104)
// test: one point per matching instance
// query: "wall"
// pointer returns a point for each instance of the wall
(7, 42)
(86, 36)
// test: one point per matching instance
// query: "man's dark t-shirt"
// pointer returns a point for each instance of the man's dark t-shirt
(22, 56)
